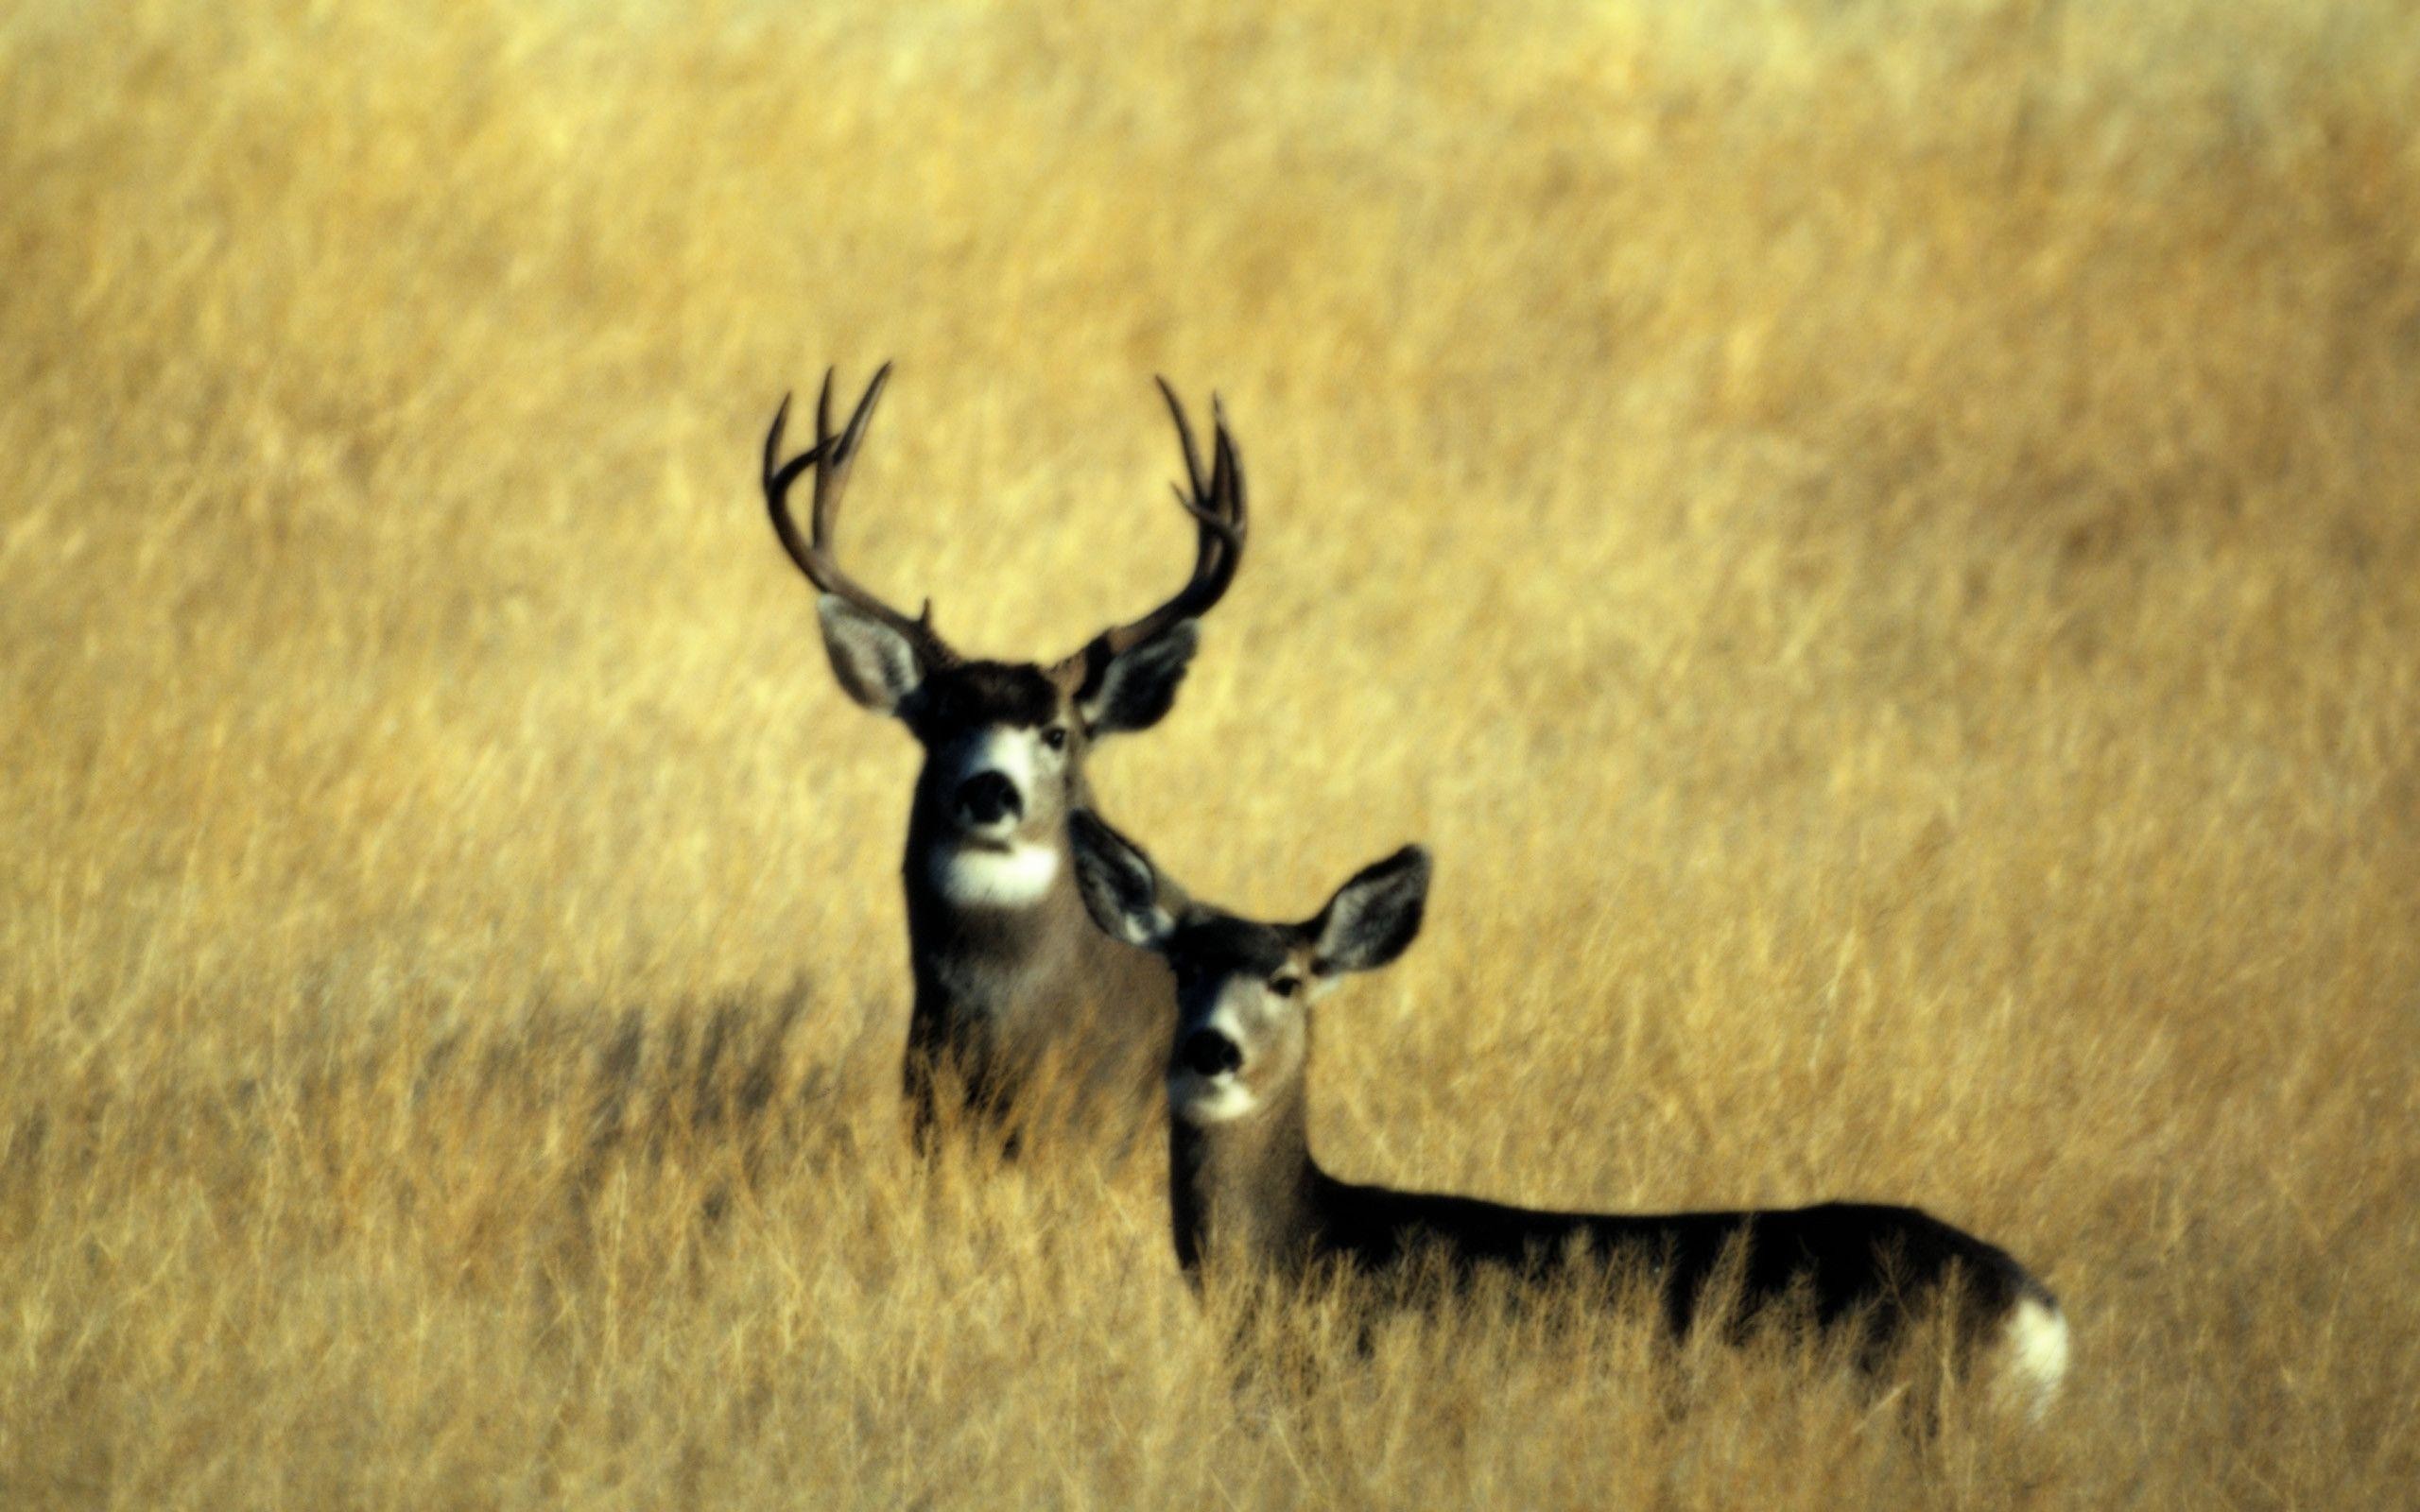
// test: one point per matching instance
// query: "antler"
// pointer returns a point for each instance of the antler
(1217, 504)
(831, 457)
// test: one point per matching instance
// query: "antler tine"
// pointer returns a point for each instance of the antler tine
(1222, 518)
(1184, 437)
(822, 513)
(832, 474)
(1225, 442)
(1217, 504)
(830, 458)
(778, 476)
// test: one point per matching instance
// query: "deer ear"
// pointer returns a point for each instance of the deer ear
(876, 666)
(1122, 891)
(1373, 919)
(1134, 689)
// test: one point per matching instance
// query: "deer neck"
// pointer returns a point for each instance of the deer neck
(1028, 874)
(998, 903)
(1243, 1192)
(991, 928)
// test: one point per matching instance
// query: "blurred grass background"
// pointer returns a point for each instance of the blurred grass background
(1880, 545)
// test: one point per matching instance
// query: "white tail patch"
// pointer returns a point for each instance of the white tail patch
(1014, 876)
(2033, 1355)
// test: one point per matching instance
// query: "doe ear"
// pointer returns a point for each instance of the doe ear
(1373, 919)
(1135, 688)
(876, 666)
(1125, 895)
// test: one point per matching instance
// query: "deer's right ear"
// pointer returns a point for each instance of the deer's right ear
(876, 666)
(1122, 891)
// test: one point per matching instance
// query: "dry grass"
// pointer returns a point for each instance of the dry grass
(1882, 550)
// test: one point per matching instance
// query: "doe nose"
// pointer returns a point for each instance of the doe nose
(987, 797)
(1208, 1052)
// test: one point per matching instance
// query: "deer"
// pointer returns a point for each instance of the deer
(1247, 1197)
(1016, 995)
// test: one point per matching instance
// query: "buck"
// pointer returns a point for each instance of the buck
(1244, 1193)
(1014, 991)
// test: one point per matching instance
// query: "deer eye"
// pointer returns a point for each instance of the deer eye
(1284, 986)
(1055, 737)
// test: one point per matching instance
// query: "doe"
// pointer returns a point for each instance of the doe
(1244, 1193)
(1012, 986)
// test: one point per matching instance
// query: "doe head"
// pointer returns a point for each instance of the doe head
(1243, 987)
(1003, 741)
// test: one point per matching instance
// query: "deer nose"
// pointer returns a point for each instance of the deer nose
(1208, 1052)
(987, 797)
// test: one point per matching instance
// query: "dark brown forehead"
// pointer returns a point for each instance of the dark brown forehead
(1225, 945)
(977, 694)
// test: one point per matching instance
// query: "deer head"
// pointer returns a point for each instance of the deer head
(1004, 742)
(1243, 988)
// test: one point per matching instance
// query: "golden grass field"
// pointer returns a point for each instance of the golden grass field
(1879, 544)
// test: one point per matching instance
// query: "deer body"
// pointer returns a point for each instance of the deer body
(1018, 1000)
(1246, 1195)
(1263, 1204)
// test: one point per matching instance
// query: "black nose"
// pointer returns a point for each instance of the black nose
(1208, 1052)
(987, 797)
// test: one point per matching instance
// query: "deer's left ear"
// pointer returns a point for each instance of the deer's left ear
(1373, 919)
(1135, 688)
